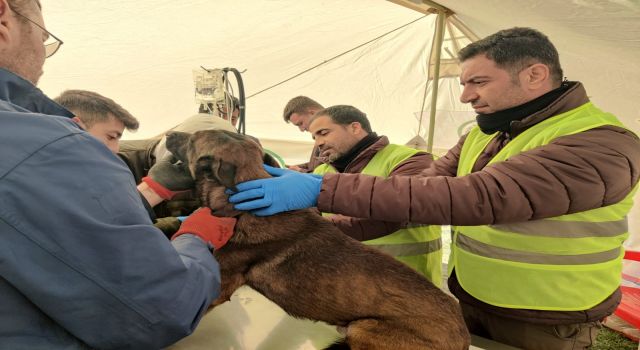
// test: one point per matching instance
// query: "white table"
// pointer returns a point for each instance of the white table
(252, 322)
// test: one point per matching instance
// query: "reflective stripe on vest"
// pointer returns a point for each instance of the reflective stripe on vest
(476, 247)
(419, 246)
(407, 249)
(567, 229)
(570, 262)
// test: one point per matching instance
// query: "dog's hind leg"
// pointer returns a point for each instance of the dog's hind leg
(380, 334)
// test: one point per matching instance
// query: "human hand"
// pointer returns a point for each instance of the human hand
(169, 177)
(295, 168)
(211, 229)
(287, 190)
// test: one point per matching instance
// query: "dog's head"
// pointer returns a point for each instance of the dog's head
(218, 160)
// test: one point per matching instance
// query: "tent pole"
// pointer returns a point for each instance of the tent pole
(438, 36)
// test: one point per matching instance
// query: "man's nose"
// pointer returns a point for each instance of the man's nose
(468, 95)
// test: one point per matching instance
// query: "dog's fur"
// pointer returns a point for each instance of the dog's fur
(308, 267)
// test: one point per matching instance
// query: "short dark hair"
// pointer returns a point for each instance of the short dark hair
(94, 108)
(516, 48)
(345, 115)
(299, 104)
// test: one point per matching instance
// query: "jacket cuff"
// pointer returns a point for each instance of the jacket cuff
(148, 208)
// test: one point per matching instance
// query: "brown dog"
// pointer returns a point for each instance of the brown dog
(308, 267)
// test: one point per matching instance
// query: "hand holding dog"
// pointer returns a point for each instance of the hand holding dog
(211, 229)
(287, 190)
(168, 177)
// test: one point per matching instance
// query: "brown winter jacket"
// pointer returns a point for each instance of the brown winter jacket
(366, 229)
(573, 173)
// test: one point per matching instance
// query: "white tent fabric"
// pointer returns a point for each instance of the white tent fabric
(141, 54)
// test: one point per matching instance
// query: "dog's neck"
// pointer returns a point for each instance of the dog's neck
(226, 208)
(226, 212)
(287, 226)
(213, 195)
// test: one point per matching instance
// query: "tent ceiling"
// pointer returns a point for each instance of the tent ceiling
(598, 41)
(141, 53)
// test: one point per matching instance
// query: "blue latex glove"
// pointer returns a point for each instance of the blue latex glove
(287, 190)
(182, 218)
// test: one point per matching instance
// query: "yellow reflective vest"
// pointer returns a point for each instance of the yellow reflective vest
(418, 246)
(564, 263)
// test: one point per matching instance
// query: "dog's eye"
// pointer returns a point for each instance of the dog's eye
(203, 168)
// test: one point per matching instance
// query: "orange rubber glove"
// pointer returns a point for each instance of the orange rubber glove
(211, 229)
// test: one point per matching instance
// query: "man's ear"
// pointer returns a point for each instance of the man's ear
(537, 75)
(77, 120)
(5, 17)
(356, 127)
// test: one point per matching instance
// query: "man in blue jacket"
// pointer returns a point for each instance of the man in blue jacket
(81, 265)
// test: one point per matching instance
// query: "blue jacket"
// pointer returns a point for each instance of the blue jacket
(80, 263)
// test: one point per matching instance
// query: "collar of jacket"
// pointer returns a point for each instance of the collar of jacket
(25, 97)
(341, 164)
(574, 97)
(517, 119)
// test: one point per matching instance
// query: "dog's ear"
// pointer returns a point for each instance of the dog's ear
(177, 144)
(216, 170)
(270, 160)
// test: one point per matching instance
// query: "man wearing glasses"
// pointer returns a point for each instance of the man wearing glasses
(81, 265)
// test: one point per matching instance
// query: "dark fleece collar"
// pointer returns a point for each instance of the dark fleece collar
(502, 120)
(341, 163)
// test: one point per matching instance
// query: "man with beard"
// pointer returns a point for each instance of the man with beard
(346, 144)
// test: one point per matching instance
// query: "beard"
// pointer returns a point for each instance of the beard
(27, 71)
(332, 158)
(27, 60)
(329, 158)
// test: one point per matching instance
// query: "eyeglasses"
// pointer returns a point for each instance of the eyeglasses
(51, 47)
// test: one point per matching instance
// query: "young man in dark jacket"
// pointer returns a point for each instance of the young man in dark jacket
(538, 193)
(82, 266)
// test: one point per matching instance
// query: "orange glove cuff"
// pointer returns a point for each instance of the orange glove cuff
(160, 190)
